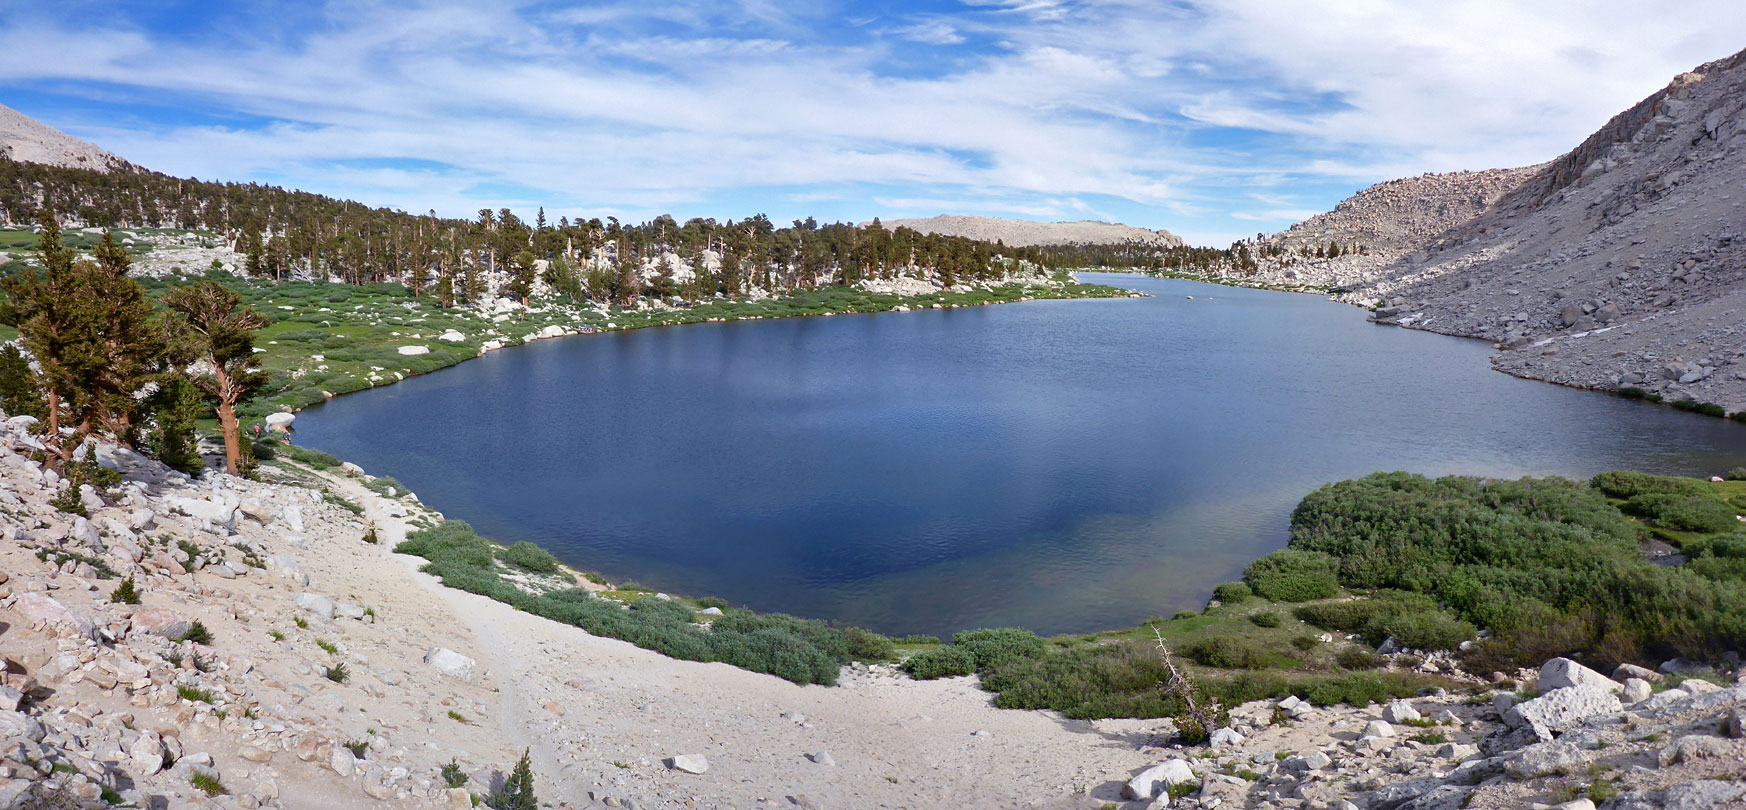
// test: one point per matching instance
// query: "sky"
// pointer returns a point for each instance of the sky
(1215, 119)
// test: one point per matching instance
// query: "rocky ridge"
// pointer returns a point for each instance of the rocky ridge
(27, 140)
(1621, 263)
(1025, 233)
(1569, 738)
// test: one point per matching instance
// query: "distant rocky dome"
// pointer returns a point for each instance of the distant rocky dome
(1400, 216)
(1025, 233)
(26, 140)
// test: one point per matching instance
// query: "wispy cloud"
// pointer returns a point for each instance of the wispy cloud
(932, 32)
(1164, 113)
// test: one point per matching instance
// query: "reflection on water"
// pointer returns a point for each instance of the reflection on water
(1060, 465)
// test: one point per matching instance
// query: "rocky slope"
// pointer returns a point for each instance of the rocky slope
(1620, 263)
(1386, 223)
(1571, 738)
(26, 140)
(106, 699)
(1025, 233)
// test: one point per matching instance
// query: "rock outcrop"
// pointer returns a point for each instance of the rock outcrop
(26, 140)
(1621, 263)
(1025, 233)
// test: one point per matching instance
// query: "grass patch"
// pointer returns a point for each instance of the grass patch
(342, 503)
(337, 673)
(207, 783)
(194, 694)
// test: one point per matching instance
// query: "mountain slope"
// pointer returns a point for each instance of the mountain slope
(1025, 233)
(1620, 263)
(27, 140)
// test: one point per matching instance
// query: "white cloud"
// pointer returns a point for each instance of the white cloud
(1166, 113)
(932, 32)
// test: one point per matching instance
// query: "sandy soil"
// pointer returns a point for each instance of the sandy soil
(603, 716)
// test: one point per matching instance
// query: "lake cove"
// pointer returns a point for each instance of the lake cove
(1063, 466)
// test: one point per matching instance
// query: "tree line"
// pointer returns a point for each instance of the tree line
(460, 261)
(98, 344)
(292, 233)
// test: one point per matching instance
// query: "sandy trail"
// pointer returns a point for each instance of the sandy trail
(602, 717)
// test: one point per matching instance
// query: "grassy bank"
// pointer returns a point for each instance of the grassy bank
(328, 339)
(1493, 574)
(332, 339)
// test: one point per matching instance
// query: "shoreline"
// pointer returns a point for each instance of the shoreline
(1501, 357)
(1096, 631)
(547, 321)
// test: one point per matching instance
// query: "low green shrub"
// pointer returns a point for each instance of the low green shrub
(451, 543)
(1232, 593)
(312, 458)
(1738, 473)
(1293, 575)
(1228, 652)
(386, 487)
(125, 593)
(1549, 566)
(993, 648)
(1425, 630)
(1627, 484)
(1705, 408)
(941, 662)
(529, 557)
(1266, 618)
(1693, 513)
(799, 650)
(1356, 658)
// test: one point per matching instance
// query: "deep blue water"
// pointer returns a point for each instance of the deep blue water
(1064, 466)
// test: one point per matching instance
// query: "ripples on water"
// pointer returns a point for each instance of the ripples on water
(1064, 466)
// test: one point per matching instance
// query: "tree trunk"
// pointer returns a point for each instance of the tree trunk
(52, 437)
(232, 438)
(227, 422)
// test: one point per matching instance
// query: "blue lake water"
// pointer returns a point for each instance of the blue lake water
(1064, 466)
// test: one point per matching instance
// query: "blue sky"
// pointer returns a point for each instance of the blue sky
(1215, 119)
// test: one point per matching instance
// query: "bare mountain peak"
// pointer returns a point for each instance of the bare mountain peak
(1027, 233)
(1619, 264)
(27, 140)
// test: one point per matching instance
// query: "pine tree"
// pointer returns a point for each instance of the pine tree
(56, 325)
(20, 392)
(222, 336)
(126, 333)
(521, 275)
(171, 424)
(517, 792)
(255, 262)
